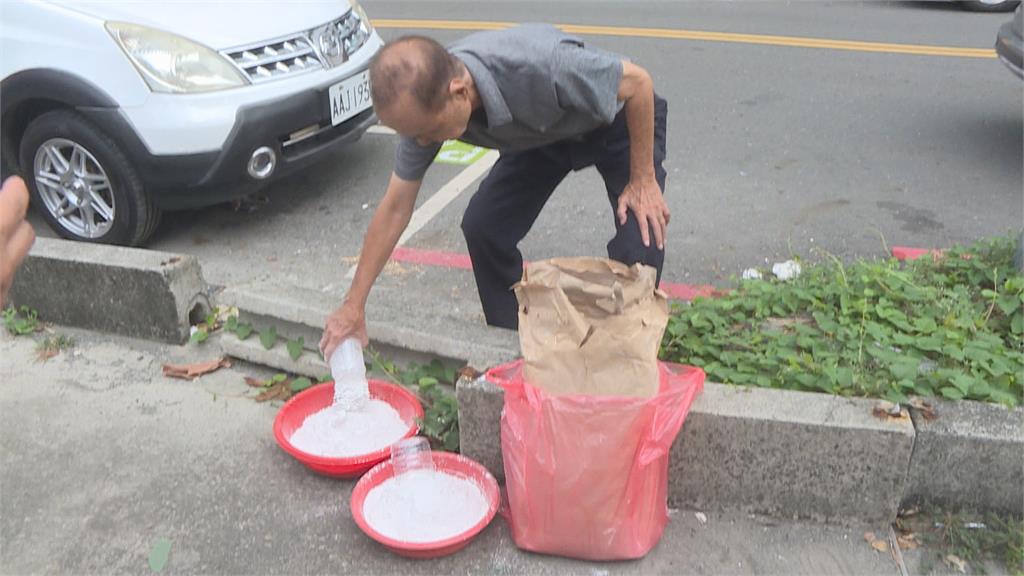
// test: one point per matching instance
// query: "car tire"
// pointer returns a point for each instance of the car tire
(990, 6)
(99, 199)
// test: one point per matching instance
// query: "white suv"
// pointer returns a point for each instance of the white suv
(116, 111)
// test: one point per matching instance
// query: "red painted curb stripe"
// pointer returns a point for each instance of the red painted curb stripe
(688, 291)
(462, 262)
(908, 253)
(432, 258)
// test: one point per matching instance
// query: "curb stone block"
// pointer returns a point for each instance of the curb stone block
(970, 458)
(126, 291)
(297, 311)
(790, 454)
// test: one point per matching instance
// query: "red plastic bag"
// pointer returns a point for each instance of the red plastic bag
(587, 476)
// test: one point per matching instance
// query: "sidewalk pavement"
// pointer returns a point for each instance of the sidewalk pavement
(103, 457)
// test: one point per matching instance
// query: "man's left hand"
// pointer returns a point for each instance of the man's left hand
(644, 198)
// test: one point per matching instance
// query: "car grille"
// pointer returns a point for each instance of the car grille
(267, 61)
(300, 52)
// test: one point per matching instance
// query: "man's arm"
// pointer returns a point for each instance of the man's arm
(389, 221)
(642, 195)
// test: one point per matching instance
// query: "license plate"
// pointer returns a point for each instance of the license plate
(350, 97)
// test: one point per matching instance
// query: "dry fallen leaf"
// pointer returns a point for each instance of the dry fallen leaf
(908, 541)
(254, 382)
(280, 390)
(956, 562)
(195, 370)
(876, 543)
(468, 373)
(925, 408)
(45, 354)
(171, 260)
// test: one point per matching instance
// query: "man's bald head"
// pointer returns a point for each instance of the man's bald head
(416, 66)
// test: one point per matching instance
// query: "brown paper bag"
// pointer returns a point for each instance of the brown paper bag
(591, 326)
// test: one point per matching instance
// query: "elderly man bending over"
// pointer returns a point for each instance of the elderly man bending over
(549, 104)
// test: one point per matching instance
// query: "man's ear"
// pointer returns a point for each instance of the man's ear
(458, 87)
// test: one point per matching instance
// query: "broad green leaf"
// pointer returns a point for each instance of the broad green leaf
(295, 347)
(1008, 303)
(199, 336)
(963, 383)
(896, 397)
(159, 554)
(977, 354)
(243, 331)
(451, 440)
(954, 352)
(231, 324)
(845, 377)
(929, 343)
(926, 325)
(279, 378)
(952, 393)
(1004, 397)
(268, 337)
(300, 384)
(980, 389)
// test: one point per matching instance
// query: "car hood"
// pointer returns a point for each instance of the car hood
(218, 25)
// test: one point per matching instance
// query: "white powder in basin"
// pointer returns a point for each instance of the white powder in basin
(424, 506)
(341, 433)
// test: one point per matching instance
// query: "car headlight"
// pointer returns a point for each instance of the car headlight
(362, 30)
(171, 63)
(362, 16)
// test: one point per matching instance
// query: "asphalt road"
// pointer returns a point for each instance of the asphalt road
(774, 150)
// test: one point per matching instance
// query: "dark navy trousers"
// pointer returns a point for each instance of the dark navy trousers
(511, 197)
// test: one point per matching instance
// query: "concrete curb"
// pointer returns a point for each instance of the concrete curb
(126, 291)
(775, 452)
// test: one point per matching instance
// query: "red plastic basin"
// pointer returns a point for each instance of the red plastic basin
(294, 413)
(454, 464)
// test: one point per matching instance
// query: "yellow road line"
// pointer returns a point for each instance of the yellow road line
(669, 33)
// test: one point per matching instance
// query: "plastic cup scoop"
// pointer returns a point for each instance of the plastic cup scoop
(351, 390)
(411, 454)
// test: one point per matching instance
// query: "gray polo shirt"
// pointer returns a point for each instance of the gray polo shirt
(538, 85)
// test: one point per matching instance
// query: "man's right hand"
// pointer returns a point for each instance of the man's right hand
(389, 220)
(349, 321)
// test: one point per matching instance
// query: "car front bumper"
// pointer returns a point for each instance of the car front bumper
(178, 181)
